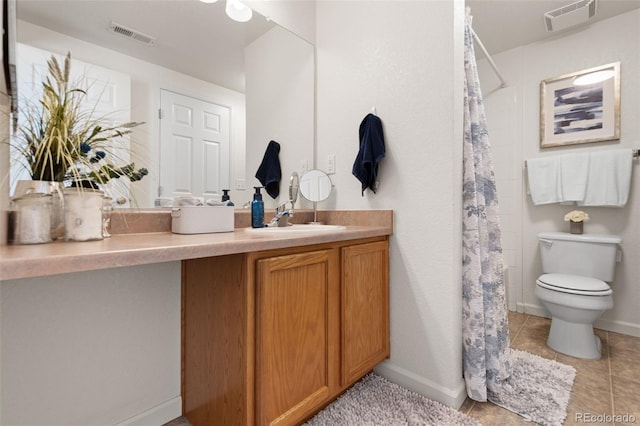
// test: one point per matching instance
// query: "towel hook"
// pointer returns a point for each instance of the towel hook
(373, 110)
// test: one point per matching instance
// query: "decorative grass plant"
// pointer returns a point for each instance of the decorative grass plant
(62, 141)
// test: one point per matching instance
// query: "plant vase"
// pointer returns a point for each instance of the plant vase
(576, 227)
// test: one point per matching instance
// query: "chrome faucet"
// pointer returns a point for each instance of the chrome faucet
(282, 215)
(281, 218)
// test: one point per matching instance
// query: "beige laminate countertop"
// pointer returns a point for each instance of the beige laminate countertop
(24, 261)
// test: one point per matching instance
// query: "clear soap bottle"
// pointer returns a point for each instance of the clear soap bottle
(257, 209)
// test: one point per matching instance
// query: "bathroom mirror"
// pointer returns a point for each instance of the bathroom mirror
(315, 185)
(183, 31)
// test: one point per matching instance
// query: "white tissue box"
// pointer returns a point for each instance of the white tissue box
(202, 219)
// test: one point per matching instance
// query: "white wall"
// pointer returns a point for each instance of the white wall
(296, 16)
(146, 81)
(280, 106)
(405, 59)
(513, 116)
(91, 348)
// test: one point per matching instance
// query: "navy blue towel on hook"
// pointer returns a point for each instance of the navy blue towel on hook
(269, 173)
(372, 150)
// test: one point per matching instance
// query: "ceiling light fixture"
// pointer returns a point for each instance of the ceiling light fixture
(238, 11)
(208, 1)
(593, 77)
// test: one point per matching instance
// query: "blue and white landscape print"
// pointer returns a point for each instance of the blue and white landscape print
(578, 108)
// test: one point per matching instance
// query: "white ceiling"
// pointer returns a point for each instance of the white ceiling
(198, 39)
(194, 38)
(505, 24)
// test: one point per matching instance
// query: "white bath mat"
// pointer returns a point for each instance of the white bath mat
(375, 401)
(538, 389)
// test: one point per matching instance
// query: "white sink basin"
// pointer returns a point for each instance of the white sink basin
(310, 227)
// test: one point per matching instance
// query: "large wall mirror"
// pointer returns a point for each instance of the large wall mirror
(257, 74)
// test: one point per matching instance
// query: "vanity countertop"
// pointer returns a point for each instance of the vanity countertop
(24, 261)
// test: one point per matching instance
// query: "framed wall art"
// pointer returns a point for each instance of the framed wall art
(581, 107)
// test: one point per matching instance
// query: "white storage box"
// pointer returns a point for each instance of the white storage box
(202, 219)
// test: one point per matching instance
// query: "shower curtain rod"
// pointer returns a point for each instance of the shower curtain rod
(503, 83)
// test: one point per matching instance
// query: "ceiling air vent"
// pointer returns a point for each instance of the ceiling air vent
(570, 15)
(132, 34)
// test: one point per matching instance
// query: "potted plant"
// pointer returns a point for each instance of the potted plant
(62, 142)
(576, 219)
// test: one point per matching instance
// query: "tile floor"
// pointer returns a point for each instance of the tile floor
(610, 385)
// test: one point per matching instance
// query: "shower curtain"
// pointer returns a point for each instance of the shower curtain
(485, 329)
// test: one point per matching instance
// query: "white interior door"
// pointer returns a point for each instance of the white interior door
(194, 147)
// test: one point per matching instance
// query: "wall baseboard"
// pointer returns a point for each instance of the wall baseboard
(621, 327)
(618, 327)
(529, 308)
(451, 397)
(158, 415)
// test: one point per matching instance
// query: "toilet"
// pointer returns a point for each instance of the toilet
(573, 288)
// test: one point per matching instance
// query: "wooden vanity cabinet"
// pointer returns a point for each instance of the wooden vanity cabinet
(296, 335)
(271, 337)
(364, 308)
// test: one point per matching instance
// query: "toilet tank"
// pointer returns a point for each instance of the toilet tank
(590, 255)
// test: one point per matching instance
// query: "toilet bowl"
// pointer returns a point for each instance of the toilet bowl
(574, 302)
(574, 288)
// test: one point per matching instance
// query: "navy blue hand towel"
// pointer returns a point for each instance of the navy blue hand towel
(269, 172)
(365, 168)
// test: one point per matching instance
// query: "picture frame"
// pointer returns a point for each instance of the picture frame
(572, 112)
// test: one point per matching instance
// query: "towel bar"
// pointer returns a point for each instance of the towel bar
(634, 152)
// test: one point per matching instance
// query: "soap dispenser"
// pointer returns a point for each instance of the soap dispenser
(225, 198)
(257, 209)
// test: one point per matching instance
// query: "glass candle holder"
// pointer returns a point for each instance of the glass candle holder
(107, 208)
(83, 214)
(32, 219)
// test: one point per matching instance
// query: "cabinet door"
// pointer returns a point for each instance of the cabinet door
(364, 308)
(296, 335)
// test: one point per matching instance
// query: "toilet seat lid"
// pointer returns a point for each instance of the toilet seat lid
(574, 284)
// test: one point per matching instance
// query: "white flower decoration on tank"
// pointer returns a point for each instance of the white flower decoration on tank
(576, 216)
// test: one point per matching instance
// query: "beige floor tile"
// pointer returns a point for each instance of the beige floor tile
(514, 329)
(490, 414)
(600, 366)
(626, 397)
(517, 318)
(621, 341)
(585, 380)
(587, 402)
(533, 340)
(625, 364)
(538, 323)
(466, 406)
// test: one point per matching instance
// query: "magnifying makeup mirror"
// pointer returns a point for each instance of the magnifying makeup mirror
(315, 185)
(294, 186)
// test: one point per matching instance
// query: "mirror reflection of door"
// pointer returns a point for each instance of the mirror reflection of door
(194, 147)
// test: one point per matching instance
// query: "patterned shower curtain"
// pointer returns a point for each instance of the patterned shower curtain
(485, 328)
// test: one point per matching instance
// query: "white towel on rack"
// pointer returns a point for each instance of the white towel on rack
(544, 176)
(609, 178)
(575, 171)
